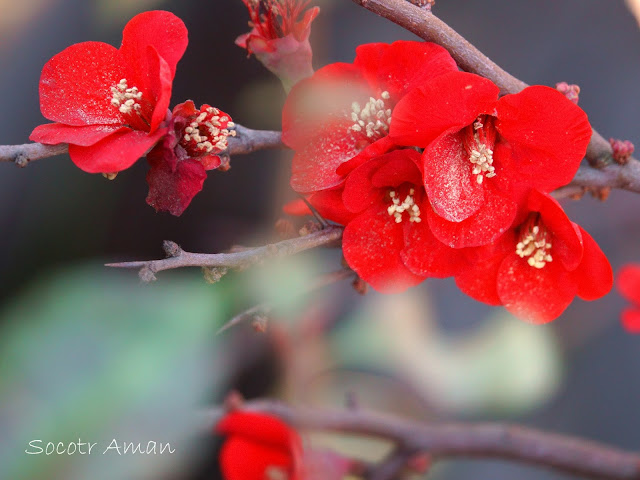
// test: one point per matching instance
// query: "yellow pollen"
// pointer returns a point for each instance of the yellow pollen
(126, 98)
(373, 119)
(408, 205)
(534, 246)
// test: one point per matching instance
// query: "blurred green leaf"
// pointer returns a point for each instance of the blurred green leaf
(91, 354)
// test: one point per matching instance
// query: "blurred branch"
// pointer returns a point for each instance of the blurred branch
(264, 309)
(246, 141)
(178, 258)
(427, 26)
(446, 440)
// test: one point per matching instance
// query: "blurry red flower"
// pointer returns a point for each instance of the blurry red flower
(628, 284)
(343, 110)
(481, 151)
(536, 268)
(259, 447)
(280, 37)
(179, 162)
(109, 104)
(389, 242)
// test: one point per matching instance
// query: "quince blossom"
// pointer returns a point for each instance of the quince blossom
(109, 104)
(628, 283)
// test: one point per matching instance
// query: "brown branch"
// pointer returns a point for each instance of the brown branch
(427, 26)
(240, 259)
(246, 141)
(482, 440)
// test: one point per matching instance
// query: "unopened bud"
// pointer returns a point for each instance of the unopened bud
(260, 323)
(110, 176)
(360, 286)
(171, 249)
(147, 275)
(571, 91)
(622, 150)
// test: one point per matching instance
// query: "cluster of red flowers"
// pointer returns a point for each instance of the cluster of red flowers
(434, 175)
(111, 106)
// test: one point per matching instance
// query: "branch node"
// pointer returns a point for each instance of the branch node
(214, 274)
(147, 275)
(171, 249)
(22, 160)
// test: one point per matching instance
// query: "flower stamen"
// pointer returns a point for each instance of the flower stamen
(407, 205)
(126, 98)
(373, 119)
(209, 131)
(534, 245)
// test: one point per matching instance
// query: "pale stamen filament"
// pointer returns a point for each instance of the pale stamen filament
(126, 98)
(407, 205)
(534, 246)
(373, 119)
(482, 158)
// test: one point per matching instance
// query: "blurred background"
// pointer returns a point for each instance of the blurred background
(91, 354)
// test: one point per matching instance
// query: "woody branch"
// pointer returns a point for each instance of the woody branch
(178, 258)
(454, 440)
(245, 141)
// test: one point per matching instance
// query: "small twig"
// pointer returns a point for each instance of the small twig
(427, 26)
(315, 212)
(246, 141)
(240, 259)
(265, 308)
(450, 440)
(392, 466)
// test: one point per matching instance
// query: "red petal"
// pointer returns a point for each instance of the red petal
(363, 185)
(398, 167)
(329, 205)
(447, 103)
(377, 148)
(115, 153)
(480, 281)
(55, 133)
(172, 190)
(426, 256)
(593, 276)
(160, 82)
(454, 192)
(567, 242)
(631, 320)
(75, 86)
(371, 244)
(162, 30)
(628, 282)
(316, 123)
(537, 295)
(242, 459)
(314, 165)
(260, 428)
(493, 218)
(547, 134)
(403, 65)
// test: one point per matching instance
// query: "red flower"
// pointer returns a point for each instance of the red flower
(108, 103)
(179, 162)
(280, 38)
(343, 111)
(481, 151)
(628, 283)
(536, 268)
(389, 242)
(258, 445)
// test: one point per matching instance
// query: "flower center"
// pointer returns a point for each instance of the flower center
(534, 244)
(208, 132)
(373, 119)
(397, 208)
(479, 146)
(126, 98)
